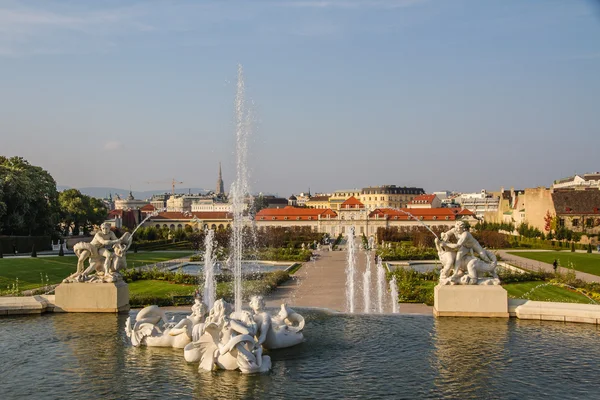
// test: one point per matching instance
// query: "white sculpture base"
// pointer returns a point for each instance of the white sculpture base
(92, 297)
(470, 301)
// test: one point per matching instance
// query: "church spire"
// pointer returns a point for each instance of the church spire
(220, 187)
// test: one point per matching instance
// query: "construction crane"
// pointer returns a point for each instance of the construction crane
(173, 182)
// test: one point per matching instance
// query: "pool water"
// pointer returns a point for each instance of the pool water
(77, 356)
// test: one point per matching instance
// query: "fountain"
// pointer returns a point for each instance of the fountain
(558, 284)
(367, 284)
(210, 283)
(394, 295)
(239, 188)
(350, 270)
(380, 284)
(229, 337)
(416, 219)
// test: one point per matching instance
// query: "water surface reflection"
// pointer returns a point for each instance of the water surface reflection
(78, 356)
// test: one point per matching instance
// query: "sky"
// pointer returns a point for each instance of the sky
(456, 95)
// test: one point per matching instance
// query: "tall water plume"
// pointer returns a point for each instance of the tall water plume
(394, 295)
(367, 284)
(210, 283)
(239, 188)
(350, 271)
(380, 284)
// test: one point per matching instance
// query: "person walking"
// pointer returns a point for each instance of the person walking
(555, 264)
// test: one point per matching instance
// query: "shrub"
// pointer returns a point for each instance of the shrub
(406, 252)
(415, 287)
(509, 276)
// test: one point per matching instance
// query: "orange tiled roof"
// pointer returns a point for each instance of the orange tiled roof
(148, 208)
(292, 213)
(465, 211)
(352, 202)
(188, 215)
(423, 199)
(427, 214)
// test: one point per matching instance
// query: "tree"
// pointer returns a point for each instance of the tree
(28, 199)
(79, 212)
(33, 252)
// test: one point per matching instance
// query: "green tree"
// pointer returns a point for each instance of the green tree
(28, 199)
(79, 212)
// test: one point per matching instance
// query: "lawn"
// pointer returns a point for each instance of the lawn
(584, 262)
(28, 269)
(544, 293)
(159, 288)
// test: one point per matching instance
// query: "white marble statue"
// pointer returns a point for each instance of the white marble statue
(466, 258)
(151, 327)
(228, 342)
(102, 260)
(277, 331)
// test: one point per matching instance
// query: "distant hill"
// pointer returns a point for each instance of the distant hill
(101, 192)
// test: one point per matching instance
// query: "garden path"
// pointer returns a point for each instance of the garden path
(322, 283)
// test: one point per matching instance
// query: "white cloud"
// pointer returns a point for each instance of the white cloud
(349, 4)
(112, 145)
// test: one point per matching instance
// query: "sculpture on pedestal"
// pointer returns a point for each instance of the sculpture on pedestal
(104, 262)
(466, 258)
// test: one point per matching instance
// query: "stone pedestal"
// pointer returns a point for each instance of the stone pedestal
(92, 297)
(470, 301)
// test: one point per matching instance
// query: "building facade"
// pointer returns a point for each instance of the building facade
(388, 196)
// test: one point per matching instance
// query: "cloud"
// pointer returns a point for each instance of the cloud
(349, 4)
(31, 31)
(112, 145)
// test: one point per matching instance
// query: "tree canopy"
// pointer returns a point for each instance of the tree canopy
(79, 212)
(28, 199)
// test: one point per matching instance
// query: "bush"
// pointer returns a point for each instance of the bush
(283, 254)
(415, 287)
(509, 276)
(406, 252)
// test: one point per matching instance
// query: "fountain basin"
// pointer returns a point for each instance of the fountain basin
(552, 311)
(75, 356)
(194, 268)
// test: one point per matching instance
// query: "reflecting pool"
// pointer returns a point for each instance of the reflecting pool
(345, 356)
(247, 267)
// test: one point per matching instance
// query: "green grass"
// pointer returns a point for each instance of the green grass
(28, 269)
(583, 262)
(544, 293)
(159, 288)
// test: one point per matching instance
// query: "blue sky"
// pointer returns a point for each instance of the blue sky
(440, 94)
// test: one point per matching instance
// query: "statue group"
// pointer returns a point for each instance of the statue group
(105, 255)
(222, 339)
(465, 258)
